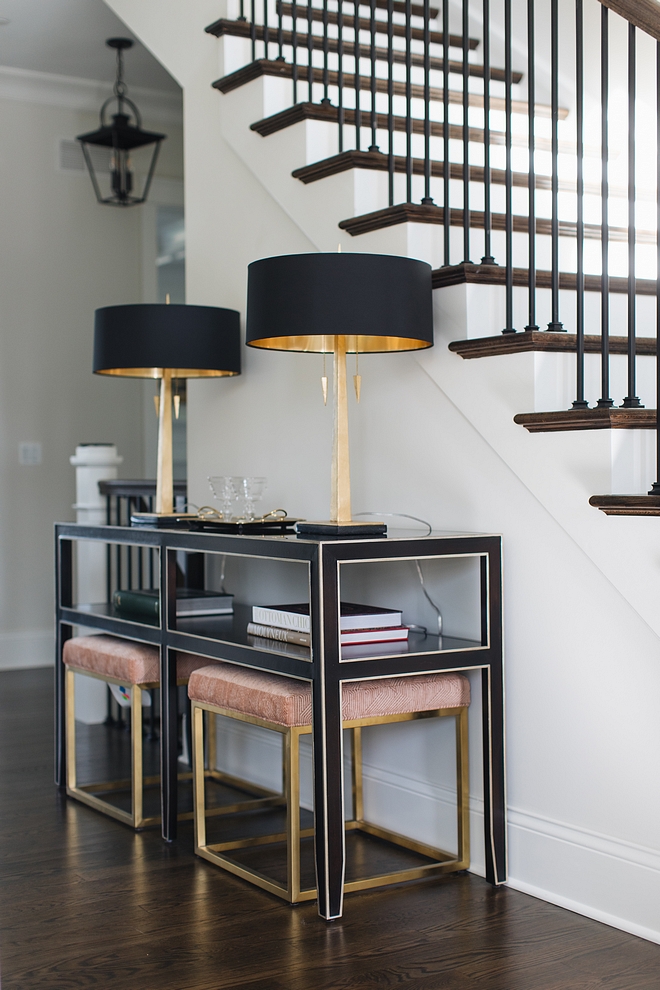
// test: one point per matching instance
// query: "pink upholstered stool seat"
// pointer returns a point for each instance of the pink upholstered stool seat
(288, 702)
(284, 705)
(123, 660)
(135, 666)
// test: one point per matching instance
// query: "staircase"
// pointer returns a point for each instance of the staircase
(414, 145)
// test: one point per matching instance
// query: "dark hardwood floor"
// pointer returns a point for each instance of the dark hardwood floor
(85, 902)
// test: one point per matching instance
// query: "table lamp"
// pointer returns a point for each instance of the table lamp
(341, 304)
(167, 343)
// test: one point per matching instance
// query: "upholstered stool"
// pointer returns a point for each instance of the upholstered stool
(128, 664)
(285, 706)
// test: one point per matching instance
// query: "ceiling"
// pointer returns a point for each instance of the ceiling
(67, 38)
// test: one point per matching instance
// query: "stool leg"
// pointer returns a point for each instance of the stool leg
(70, 702)
(292, 793)
(187, 725)
(198, 774)
(463, 788)
(356, 774)
(136, 751)
(212, 743)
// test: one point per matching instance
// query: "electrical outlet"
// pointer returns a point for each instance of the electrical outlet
(29, 454)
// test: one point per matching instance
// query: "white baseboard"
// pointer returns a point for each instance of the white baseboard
(610, 880)
(30, 648)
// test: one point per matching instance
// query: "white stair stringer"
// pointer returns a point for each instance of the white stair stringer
(272, 160)
(562, 470)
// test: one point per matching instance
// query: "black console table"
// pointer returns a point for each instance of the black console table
(323, 561)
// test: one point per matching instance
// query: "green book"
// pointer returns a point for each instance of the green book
(145, 603)
(137, 604)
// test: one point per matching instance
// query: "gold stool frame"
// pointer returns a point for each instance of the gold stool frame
(88, 793)
(444, 862)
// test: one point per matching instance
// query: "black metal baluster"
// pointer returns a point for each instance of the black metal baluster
(446, 166)
(340, 72)
(408, 101)
(579, 402)
(605, 401)
(655, 487)
(531, 176)
(466, 134)
(118, 557)
(488, 258)
(358, 81)
(108, 552)
(372, 55)
(280, 33)
(129, 548)
(390, 100)
(554, 87)
(326, 98)
(508, 78)
(427, 200)
(631, 401)
(310, 53)
(152, 552)
(253, 30)
(294, 46)
(266, 36)
(241, 16)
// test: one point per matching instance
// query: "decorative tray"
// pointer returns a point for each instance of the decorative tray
(256, 526)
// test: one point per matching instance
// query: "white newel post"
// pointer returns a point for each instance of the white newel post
(93, 462)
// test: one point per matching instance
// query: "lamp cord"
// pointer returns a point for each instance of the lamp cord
(420, 574)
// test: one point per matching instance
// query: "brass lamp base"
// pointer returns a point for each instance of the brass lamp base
(350, 528)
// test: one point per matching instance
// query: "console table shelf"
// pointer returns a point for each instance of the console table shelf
(225, 638)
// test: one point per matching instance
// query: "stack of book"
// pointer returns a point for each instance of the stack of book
(145, 603)
(361, 626)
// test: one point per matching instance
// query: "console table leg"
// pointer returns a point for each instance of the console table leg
(169, 750)
(64, 632)
(328, 799)
(494, 780)
(64, 599)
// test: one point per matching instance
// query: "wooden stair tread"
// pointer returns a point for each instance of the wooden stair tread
(378, 161)
(627, 505)
(568, 420)
(241, 29)
(399, 6)
(496, 275)
(421, 213)
(399, 30)
(542, 340)
(273, 67)
(329, 113)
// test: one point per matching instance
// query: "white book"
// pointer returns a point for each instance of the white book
(352, 616)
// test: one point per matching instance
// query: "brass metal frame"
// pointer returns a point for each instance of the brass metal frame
(89, 793)
(443, 862)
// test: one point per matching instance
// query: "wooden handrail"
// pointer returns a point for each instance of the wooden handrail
(644, 14)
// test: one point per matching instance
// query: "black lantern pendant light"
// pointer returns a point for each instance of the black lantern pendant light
(122, 136)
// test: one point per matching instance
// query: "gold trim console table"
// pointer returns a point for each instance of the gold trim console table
(324, 668)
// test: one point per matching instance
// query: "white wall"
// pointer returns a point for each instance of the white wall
(61, 256)
(583, 678)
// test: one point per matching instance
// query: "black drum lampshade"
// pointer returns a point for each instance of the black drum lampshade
(340, 304)
(166, 342)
